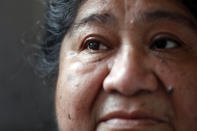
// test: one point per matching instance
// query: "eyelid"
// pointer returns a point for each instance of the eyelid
(166, 36)
(96, 38)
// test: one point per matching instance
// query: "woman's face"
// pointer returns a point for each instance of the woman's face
(128, 65)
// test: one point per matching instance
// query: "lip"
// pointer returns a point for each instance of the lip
(130, 120)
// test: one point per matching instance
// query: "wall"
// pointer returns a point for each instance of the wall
(25, 103)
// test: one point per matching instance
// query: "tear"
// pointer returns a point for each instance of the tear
(170, 90)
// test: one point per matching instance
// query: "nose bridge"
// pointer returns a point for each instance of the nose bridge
(128, 64)
(129, 74)
(131, 59)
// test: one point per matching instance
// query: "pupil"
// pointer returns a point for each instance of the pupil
(94, 46)
(161, 44)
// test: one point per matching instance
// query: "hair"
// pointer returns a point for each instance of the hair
(60, 15)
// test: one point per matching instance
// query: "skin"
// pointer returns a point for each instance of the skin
(126, 72)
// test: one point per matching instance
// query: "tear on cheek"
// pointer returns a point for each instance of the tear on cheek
(170, 90)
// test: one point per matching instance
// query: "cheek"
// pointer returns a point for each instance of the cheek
(183, 79)
(77, 88)
(184, 100)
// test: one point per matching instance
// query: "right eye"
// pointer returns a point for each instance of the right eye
(94, 45)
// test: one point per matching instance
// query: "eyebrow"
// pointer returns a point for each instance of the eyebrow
(106, 18)
(150, 16)
(172, 16)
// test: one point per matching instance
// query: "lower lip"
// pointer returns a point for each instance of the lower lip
(123, 124)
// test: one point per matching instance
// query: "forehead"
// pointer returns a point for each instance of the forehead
(123, 12)
(125, 7)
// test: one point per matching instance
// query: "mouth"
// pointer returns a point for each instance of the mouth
(135, 120)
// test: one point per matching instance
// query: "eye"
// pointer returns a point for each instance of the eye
(94, 44)
(161, 44)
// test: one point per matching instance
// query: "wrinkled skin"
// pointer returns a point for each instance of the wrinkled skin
(132, 61)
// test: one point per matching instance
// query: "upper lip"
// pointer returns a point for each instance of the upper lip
(134, 115)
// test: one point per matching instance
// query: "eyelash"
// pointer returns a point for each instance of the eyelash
(160, 43)
(90, 44)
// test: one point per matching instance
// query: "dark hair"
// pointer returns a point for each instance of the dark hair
(60, 15)
(59, 18)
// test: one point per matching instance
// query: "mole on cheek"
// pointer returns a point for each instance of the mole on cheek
(69, 117)
(162, 60)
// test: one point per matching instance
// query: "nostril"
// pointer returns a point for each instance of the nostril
(113, 91)
(142, 92)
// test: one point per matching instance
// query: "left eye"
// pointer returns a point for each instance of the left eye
(165, 44)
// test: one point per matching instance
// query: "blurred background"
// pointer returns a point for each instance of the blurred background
(26, 104)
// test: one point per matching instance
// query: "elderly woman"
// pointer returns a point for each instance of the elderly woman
(123, 65)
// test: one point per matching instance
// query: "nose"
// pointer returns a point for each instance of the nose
(130, 74)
